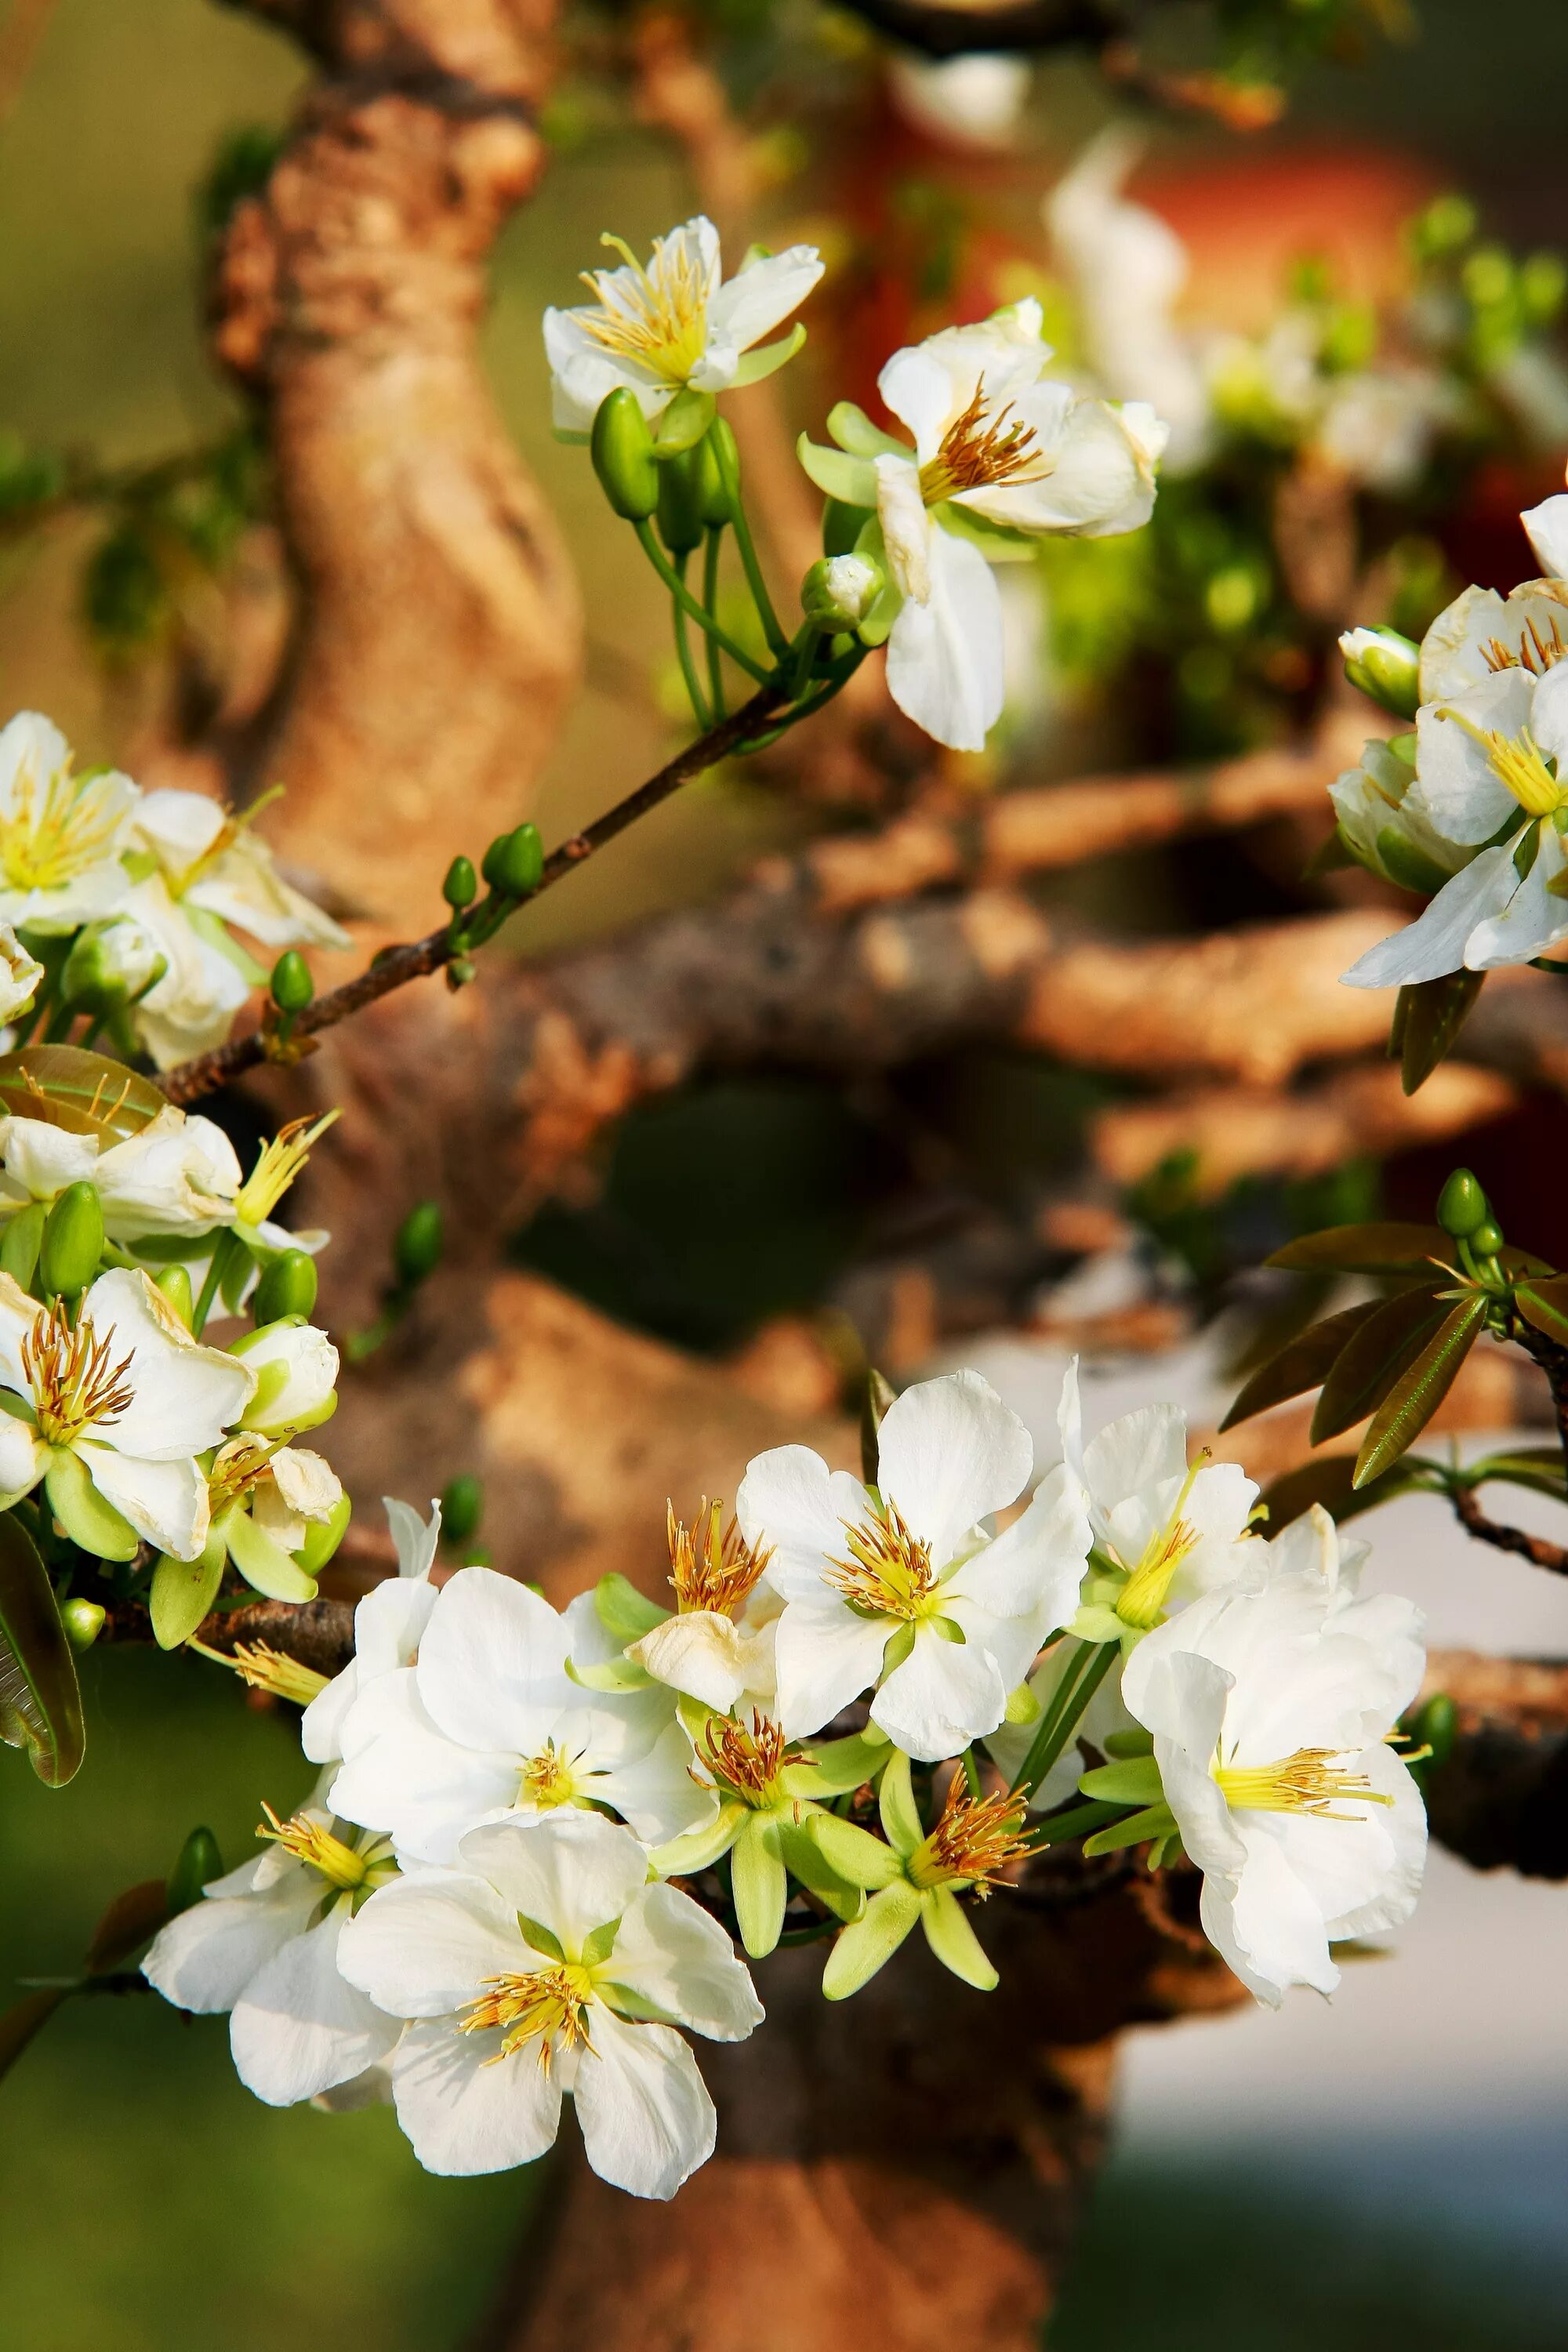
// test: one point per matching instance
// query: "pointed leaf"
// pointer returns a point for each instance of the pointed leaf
(265, 1565)
(1545, 1303)
(183, 1592)
(1373, 1359)
(683, 1857)
(872, 1942)
(1331, 1483)
(40, 1699)
(132, 1920)
(1133, 1782)
(86, 1093)
(1138, 1829)
(954, 1941)
(1415, 1396)
(1383, 1247)
(852, 430)
(1428, 1017)
(1304, 1364)
(759, 1884)
(838, 1766)
(766, 359)
(851, 480)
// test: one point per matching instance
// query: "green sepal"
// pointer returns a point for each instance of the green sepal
(1023, 1707)
(683, 1857)
(599, 1943)
(183, 1592)
(851, 480)
(854, 432)
(683, 423)
(627, 2002)
(755, 366)
(22, 1241)
(539, 1938)
(954, 1940)
(1420, 1391)
(40, 1698)
(852, 1854)
(877, 626)
(322, 1537)
(804, 1860)
(1409, 866)
(1120, 1745)
(840, 1765)
(621, 1673)
(197, 1864)
(1155, 1824)
(872, 1942)
(1134, 1781)
(902, 1822)
(263, 1565)
(759, 1884)
(81, 1510)
(625, 1614)
(994, 540)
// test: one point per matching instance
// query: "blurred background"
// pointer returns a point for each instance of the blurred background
(1400, 2164)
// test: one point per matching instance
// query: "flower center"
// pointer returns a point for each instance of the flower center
(710, 1570)
(888, 1572)
(656, 317)
(749, 1762)
(547, 1779)
(974, 1841)
(1518, 762)
(265, 1669)
(345, 1867)
(1142, 1598)
(981, 452)
(1307, 1782)
(543, 2005)
(1535, 653)
(236, 1468)
(73, 1381)
(51, 834)
(278, 1164)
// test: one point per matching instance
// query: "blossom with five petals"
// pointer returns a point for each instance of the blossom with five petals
(61, 832)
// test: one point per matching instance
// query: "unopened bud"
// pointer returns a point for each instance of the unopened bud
(416, 1247)
(174, 1283)
(461, 887)
(73, 1241)
(514, 862)
(708, 482)
(83, 1622)
(840, 589)
(323, 1536)
(680, 512)
(199, 1863)
(622, 455)
(1462, 1205)
(287, 1288)
(293, 987)
(462, 1507)
(1386, 667)
(107, 965)
(1486, 1239)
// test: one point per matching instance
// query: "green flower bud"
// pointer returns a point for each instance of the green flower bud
(293, 987)
(708, 483)
(107, 965)
(622, 455)
(416, 1249)
(83, 1622)
(324, 1536)
(514, 862)
(1486, 1239)
(288, 1286)
(73, 1241)
(21, 1241)
(840, 589)
(680, 513)
(175, 1282)
(461, 887)
(199, 1863)
(1461, 1205)
(462, 1507)
(1384, 666)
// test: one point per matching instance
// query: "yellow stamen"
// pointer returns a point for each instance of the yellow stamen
(313, 1843)
(52, 833)
(1518, 762)
(1307, 1782)
(660, 318)
(974, 1843)
(542, 2005)
(75, 1386)
(981, 453)
(278, 1164)
(888, 1572)
(547, 1779)
(749, 1762)
(1535, 653)
(1142, 1598)
(265, 1669)
(237, 1467)
(709, 1569)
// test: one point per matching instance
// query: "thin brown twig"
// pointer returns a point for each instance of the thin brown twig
(1534, 1549)
(417, 958)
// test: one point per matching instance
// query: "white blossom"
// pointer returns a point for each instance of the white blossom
(903, 1589)
(389, 1624)
(676, 324)
(545, 1964)
(179, 1175)
(20, 972)
(61, 832)
(1270, 1706)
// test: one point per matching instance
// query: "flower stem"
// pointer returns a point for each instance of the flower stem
(683, 653)
(1079, 1821)
(724, 449)
(1078, 1685)
(215, 1271)
(711, 603)
(688, 604)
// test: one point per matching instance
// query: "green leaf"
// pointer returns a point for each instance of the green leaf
(1332, 1483)
(1373, 1359)
(759, 1884)
(1545, 1303)
(852, 1854)
(1155, 1822)
(625, 1614)
(264, 1564)
(87, 1094)
(81, 1510)
(26, 2017)
(1427, 1018)
(1305, 1363)
(954, 1941)
(902, 1822)
(183, 1592)
(40, 1699)
(872, 1942)
(852, 480)
(132, 1920)
(1415, 1396)
(1540, 1467)
(1378, 1248)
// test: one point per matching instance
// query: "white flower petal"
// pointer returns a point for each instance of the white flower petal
(945, 656)
(165, 1502)
(465, 2109)
(943, 1696)
(573, 1871)
(654, 1791)
(676, 1955)
(414, 1538)
(746, 311)
(1457, 784)
(492, 1662)
(1534, 918)
(1438, 941)
(410, 1780)
(423, 1947)
(1143, 1449)
(1546, 527)
(299, 2028)
(949, 1454)
(646, 2119)
(184, 1396)
(792, 1504)
(825, 1656)
(203, 1959)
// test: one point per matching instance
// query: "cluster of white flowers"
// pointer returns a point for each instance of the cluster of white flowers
(474, 1911)
(1468, 808)
(150, 886)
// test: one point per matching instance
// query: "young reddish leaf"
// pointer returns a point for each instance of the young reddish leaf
(1428, 1019)
(87, 1093)
(40, 1699)
(1377, 1351)
(1382, 1248)
(1305, 1363)
(1330, 1482)
(1417, 1394)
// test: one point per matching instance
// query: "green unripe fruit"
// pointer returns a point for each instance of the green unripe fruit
(73, 1241)
(461, 887)
(288, 1286)
(416, 1248)
(1486, 1239)
(293, 987)
(324, 1536)
(679, 515)
(83, 1622)
(174, 1283)
(199, 1863)
(21, 1241)
(1461, 1205)
(622, 455)
(517, 865)
(462, 1507)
